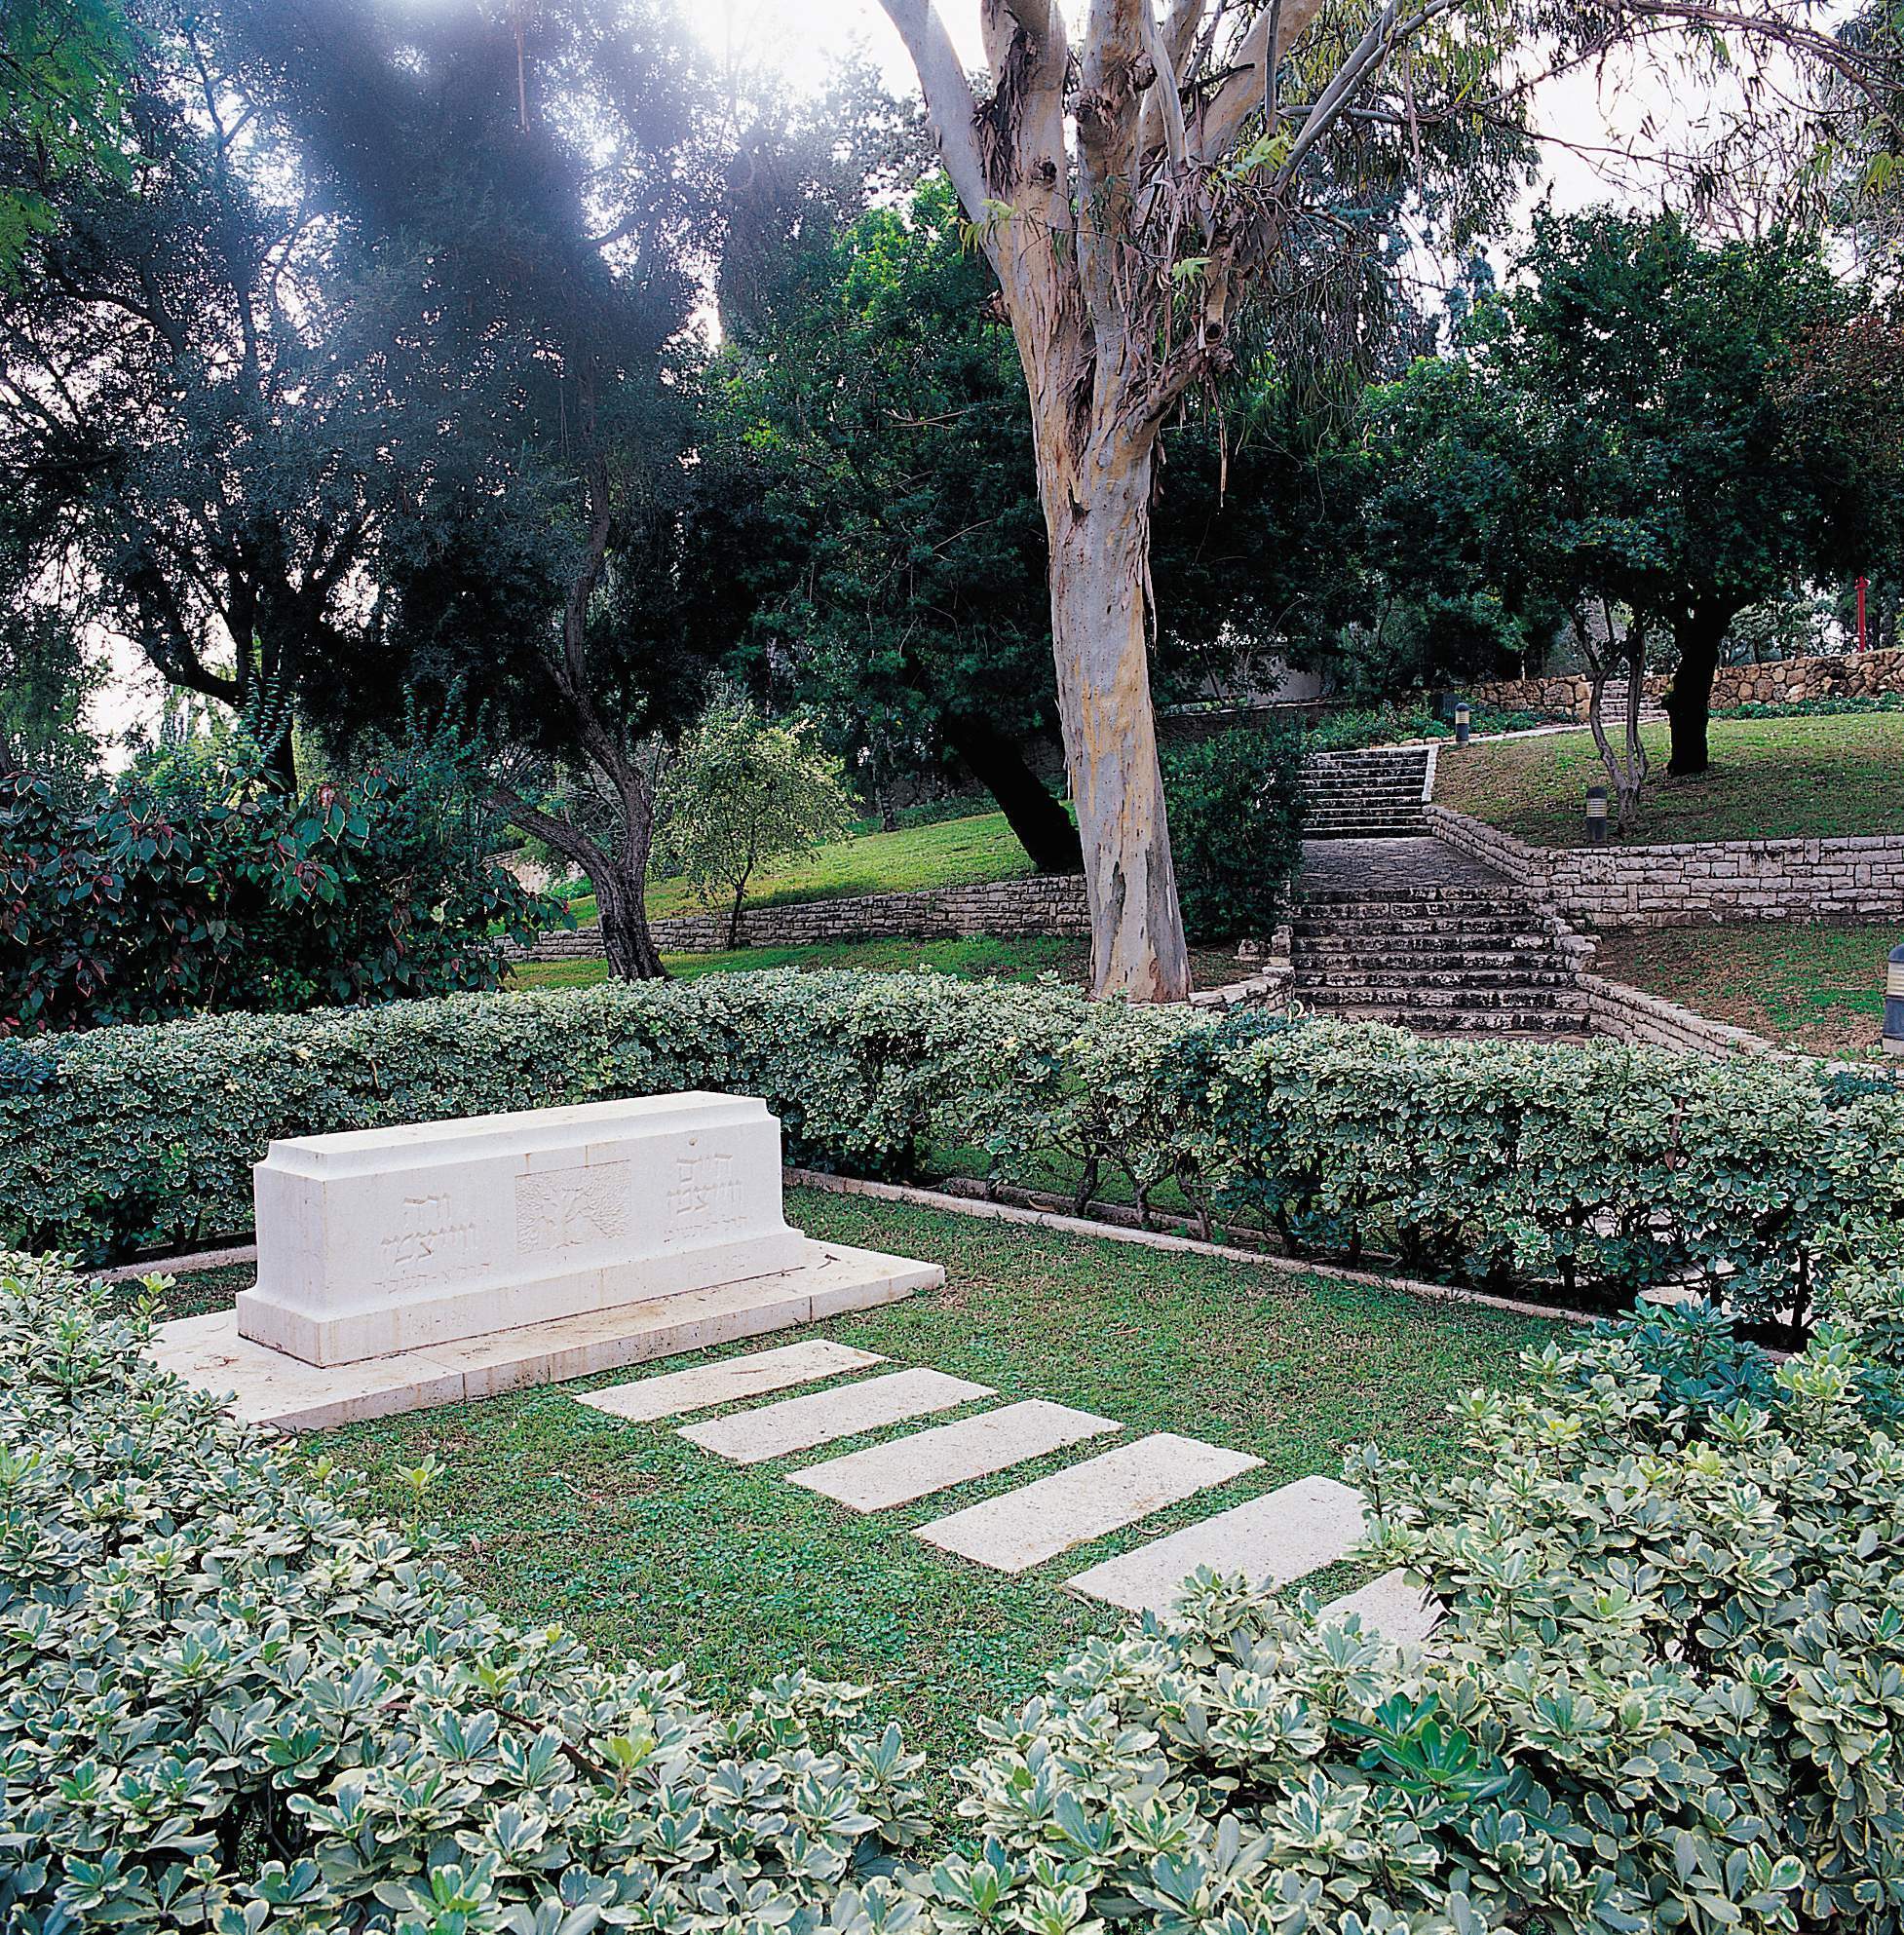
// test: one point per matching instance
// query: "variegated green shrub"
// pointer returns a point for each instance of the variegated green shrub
(1667, 1694)
(1571, 1171)
(1666, 1691)
(229, 1702)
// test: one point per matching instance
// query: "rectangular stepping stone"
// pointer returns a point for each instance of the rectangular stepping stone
(751, 1376)
(1402, 1613)
(1271, 1541)
(924, 1462)
(772, 1431)
(1038, 1520)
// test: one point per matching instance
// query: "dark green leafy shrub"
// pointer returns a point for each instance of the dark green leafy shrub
(197, 886)
(1666, 1693)
(1594, 1170)
(231, 1703)
(1236, 807)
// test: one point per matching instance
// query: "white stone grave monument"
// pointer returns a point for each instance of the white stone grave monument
(406, 1266)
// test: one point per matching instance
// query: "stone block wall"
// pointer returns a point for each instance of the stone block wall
(1781, 682)
(1630, 1014)
(1688, 883)
(1044, 904)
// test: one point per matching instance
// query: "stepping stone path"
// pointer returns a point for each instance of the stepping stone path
(909, 1468)
(733, 1378)
(1051, 1515)
(1272, 1540)
(1283, 1535)
(752, 1437)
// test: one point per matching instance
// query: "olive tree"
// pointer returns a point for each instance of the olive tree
(742, 791)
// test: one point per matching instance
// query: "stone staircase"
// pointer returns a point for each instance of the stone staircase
(1613, 708)
(1375, 794)
(1461, 957)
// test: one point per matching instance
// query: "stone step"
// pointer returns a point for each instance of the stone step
(732, 1378)
(1384, 995)
(1423, 951)
(1023, 1529)
(1468, 1021)
(1414, 784)
(1294, 1529)
(1440, 930)
(1402, 1614)
(924, 1462)
(1404, 899)
(1367, 786)
(773, 1431)
(1459, 980)
(1393, 829)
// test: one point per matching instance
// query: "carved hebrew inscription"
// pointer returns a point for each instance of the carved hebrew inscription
(433, 1242)
(558, 1208)
(704, 1199)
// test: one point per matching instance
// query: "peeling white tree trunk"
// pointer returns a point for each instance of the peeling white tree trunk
(1098, 523)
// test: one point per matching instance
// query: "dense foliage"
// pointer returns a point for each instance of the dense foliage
(1626, 429)
(196, 884)
(234, 1704)
(1666, 1691)
(1237, 812)
(1664, 1696)
(1601, 1168)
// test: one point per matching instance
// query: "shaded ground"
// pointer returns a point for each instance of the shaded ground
(1770, 778)
(979, 957)
(1816, 986)
(657, 1551)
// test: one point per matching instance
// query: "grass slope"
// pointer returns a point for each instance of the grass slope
(1814, 986)
(1770, 778)
(948, 852)
(657, 1551)
(977, 958)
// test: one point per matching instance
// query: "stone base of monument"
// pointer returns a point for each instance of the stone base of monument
(422, 1264)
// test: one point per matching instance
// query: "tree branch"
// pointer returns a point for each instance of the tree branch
(949, 102)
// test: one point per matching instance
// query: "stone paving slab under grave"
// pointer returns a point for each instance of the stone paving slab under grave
(266, 1386)
(1294, 1529)
(1023, 1529)
(924, 1462)
(732, 1378)
(773, 1431)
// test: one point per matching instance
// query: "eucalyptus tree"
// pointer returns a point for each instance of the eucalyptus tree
(1128, 192)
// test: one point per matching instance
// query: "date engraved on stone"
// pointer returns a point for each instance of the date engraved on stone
(558, 1208)
(704, 1197)
(434, 1242)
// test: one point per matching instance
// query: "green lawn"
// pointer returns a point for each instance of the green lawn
(949, 853)
(1810, 985)
(978, 957)
(656, 1551)
(1770, 778)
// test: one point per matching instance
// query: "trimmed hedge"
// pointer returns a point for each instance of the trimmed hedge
(1594, 1169)
(1666, 1695)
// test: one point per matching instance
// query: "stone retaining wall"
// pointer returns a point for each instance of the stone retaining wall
(1781, 682)
(1688, 883)
(1043, 904)
(1631, 1014)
